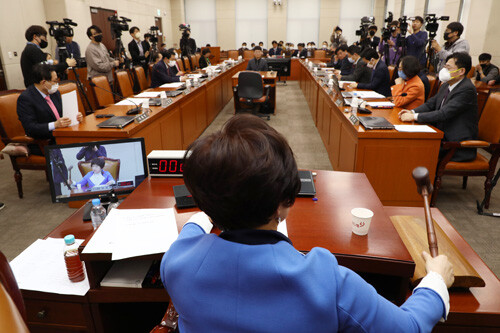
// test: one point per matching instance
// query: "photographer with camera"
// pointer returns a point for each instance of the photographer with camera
(188, 44)
(99, 62)
(32, 54)
(388, 46)
(415, 43)
(139, 50)
(72, 48)
(453, 44)
(337, 39)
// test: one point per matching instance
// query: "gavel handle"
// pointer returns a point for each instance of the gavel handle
(431, 234)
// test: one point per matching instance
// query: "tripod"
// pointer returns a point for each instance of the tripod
(430, 55)
(480, 206)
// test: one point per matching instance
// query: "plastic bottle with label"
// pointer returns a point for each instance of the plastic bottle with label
(354, 104)
(97, 213)
(74, 265)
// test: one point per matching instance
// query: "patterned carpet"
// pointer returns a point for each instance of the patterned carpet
(22, 221)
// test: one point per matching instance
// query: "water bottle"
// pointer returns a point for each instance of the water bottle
(97, 213)
(113, 203)
(74, 265)
(188, 84)
(163, 97)
(354, 104)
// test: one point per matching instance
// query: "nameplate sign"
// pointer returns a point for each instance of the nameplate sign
(354, 120)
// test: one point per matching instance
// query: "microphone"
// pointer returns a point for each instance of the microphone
(135, 110)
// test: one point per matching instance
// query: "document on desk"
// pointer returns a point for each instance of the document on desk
(414, 128)
(192, 76)
(369, 94)
(381, 105)
(41, 267)
(131, 101)
(148, 94)
(70, 106)
(172, 85)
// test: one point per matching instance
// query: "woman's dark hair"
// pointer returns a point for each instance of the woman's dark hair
(98, 161)
(410, 66)
(240, 175)
(34, 30)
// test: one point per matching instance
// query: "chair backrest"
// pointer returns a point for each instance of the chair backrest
(250, 85)
(432, 85)
(124, 83)
(8, 281)
(67, 87)
(198, 56)
(150, 69)
(194, 62)
(232, 54)
(180, 64)
(248, 54)
(391, 69)
(10, 126)
(10, 318)
(141, 77)
(489, 121)
(111, 165)
(319, 53)
(471, 73)
(103, 97)
(187, 66)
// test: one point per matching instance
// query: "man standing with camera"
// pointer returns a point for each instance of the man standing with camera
(188, 45)
(99, 62)
(139, 50)
(452, 45)
(32, 55)
(415, 43)
(388, 46)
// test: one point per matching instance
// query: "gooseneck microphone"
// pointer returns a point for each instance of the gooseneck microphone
(135, 110)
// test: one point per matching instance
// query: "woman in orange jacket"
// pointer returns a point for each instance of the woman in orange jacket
(408, 84)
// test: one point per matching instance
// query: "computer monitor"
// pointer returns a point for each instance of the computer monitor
(81, 171)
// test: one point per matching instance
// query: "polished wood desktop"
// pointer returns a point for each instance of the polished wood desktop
(269, 78)
(173, 127)
(387, 157)
(380, 257)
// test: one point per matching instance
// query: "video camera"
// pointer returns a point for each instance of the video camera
(61, 30)
(118, 24)
(388, 30)
(366, 22)
(184, 27)
(154, 32)
(431, 24)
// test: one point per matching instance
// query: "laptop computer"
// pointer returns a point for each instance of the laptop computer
(307, 188)
(116, 122)
(375, 123)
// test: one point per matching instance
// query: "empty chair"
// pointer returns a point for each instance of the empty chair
(180, 65)
(319, 54)
(194, 62)
(251, 92)
(103, 97)
(247, 54)
(187, 65)
(123, 80)
(232, 54)
(198, 56)
(433, 84)
(141, 77)
(12, 310)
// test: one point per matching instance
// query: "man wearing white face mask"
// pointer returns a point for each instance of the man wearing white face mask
(165, 71)
(453, 109)
(139, 50)
(39, 107)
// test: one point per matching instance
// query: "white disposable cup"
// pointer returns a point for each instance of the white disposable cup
(361, 220)
(79, 187)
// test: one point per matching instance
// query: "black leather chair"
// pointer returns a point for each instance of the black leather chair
(252, 93)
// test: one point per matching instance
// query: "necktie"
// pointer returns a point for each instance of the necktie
(52, 107)
(445, 97)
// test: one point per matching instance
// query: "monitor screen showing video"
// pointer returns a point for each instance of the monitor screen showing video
(81, 171)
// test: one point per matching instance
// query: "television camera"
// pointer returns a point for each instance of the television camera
(366, 22)
(431, 24)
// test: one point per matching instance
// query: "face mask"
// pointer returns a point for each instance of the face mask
(372, 33)
(98, 38)
(446, 36)
(43, 44)
(483, 66)
(445, 75)
(138, 35)
(171, 63)
(402, 75)
(351, 60)
(54, 88)
(325, 46)
(50, 61)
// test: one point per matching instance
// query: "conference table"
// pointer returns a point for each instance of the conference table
(380, 258)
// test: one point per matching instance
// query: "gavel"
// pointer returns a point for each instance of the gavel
(424, 188)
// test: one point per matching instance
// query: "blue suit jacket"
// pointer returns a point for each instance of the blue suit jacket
(277, 52)
(380, 81)
(35, 114)
(162, 74)
(346, 68)
(263, 284)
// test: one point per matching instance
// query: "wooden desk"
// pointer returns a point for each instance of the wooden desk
(269, 79)
(173, 127)
(387, 157)
(474, 309)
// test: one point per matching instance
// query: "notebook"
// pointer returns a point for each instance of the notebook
(375, 123)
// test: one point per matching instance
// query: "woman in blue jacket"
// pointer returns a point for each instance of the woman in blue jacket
(250, 278)
(97, 176)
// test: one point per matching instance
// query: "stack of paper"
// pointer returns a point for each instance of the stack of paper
(381, 105)
(172, 85)
(148, 94)
(41, 267)
(414, 128)
(132, 101)
(127, 233)
(369, 94)
(70, 106)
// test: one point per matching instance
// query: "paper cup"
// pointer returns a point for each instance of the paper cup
(361, 220)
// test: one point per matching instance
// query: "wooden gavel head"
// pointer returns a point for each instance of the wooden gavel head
(421, 176)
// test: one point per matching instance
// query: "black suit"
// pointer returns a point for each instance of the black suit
(162, 73)
(204, 62)
(457, 117)
(344, 65)
(361, 73)
(275, 52)
(257, 65)
(31, 56)
(137, 59)
(380, 80)
(300, 54)
(375, 42)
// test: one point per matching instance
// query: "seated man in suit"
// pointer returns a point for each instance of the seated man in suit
(139, 50)
(165, 71)
(261, 45)
(361, 73)
(301, 52)
(242, 49)
(39, 107)
(340, 61)
(205, 58)
(276, 50)
(453, 109)
(380, 80)
(257, 63)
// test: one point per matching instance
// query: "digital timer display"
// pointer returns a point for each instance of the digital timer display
(166, 163)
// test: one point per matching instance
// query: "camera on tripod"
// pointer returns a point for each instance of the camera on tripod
(431, 24)
(61, 30)
(118, 24)
(366, 22)
(184, 27)
(154, 32)
(388, 30)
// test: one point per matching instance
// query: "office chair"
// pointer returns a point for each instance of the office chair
(251, 93)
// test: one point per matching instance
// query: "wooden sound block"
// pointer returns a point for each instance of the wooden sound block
(413, 233)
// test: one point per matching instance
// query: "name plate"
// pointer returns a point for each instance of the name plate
(338, 102)
(354, 120)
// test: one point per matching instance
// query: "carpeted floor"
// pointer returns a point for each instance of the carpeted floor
(22, 221)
